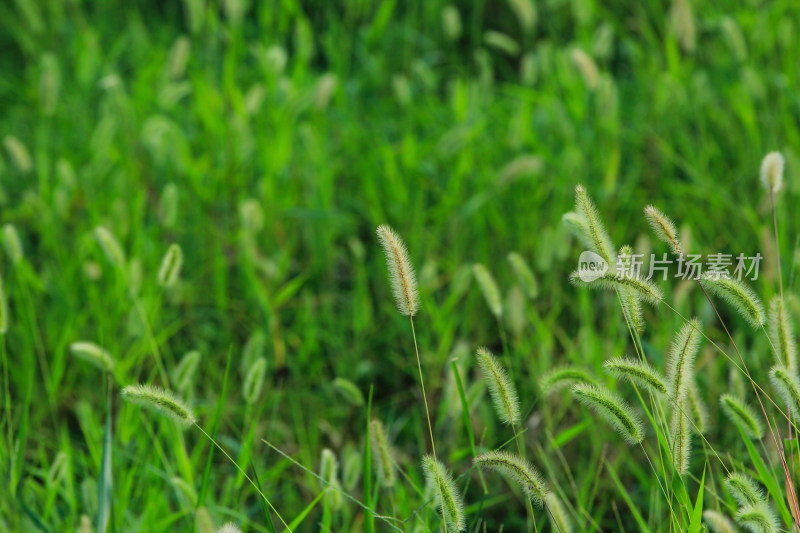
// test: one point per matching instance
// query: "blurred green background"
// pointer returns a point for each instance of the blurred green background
(269, 139)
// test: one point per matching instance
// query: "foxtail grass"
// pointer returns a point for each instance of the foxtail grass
(94, 354)
(741, 413)
(638, 372)
(560, 378)
(613, 409)
(254, 381)
(447, 498)
(12, 243)
(680, 359)
(743, 489)
(502, 391)
(523, 474)
(489, 289)
(558, 514)
(631, 302)
(758, 518)
(524, 274)
(788, 386)
(401, 271)
(718, 522)
(781, 334)
(664, 228)
(737, 295)
(384, 463)
(170, 268)
(681, 438)
(646, 290)
(110, 246)
(596, 231)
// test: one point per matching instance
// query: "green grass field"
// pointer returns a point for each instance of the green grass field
(269, 139)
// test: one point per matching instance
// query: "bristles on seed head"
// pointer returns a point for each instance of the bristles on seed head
(743, 489)
(788, 386)
(524, 274)
(681, 438)
(744, 415)
(646, 290)
(579, 227)
(254, 381)
(502, 391)
(562, 377)
(446, 495)
(328, 465)
(401, 271)
(94, 354)
(613, 409)
(230, 527)
(697, 409)
(638, 372)
(489, 288)
(629, 298)
(680, 359)
(519, 470)
(664, 228)
(111, 247)
(772, 172)
(382, 454)
(598, 236)
(781, 333)
(12, 243)
(160, 400)
(718, 522)
(758, 518)
(170, 266)
(738, 295)
(558, 514)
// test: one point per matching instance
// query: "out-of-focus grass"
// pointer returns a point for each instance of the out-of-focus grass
(160, 121)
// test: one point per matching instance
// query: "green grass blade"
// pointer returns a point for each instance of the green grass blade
(201, 497)
(369, 520)
(105, 487)
(304, 513)
(625, 496)
(270, 525)
(766, 477)
(697, 514)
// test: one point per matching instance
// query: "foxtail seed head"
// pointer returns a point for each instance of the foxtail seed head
(229, 527)
(613, 409)
(758, 517)
(638, 372)
(170, 266)
(94, 354)
(562, 377)
(254, 380)
(384, 462)
(110, 246)
(519, 470)
(598, 235)
(781, 333)
(718, 522)
(524, 274)
(772, 172)
(12, 243)
(646, 290)
(664, 228)
(489, 288)
(502, 391)
(160, 400)
(680, 359)
(558, 514)
(401, 271)
(681, 438)
(744, 415)
(743, 489)
(738, 295)
(788, 386)
(446, 495)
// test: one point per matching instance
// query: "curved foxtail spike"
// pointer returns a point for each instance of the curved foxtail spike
(738, 295)
(743, 489)
(489, 288)
(788, 386)
(447, 497)
(718, 522)
(88, 351)
(781, 333)
(160, 400)
(758, 517)
(562, 377)
(401, 271)
(518, 469)
(170, 266)
(646, 290)
(680, 359)
(613, 409)
(384, 462)
(741, 413)
(638, 372)
(664, 228)
(681, 439)
(598, 235)
(502, 391)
